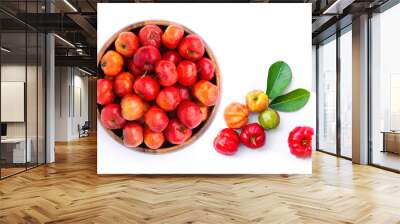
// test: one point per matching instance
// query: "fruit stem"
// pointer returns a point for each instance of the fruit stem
(144, 74)
(253, 140)
(191, 52)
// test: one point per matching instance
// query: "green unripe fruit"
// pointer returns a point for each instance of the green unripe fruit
(269, 119)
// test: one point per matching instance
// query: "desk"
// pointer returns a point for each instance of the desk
(391, 141)
(17, 150)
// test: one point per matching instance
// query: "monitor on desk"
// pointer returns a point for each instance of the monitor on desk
(3, 130)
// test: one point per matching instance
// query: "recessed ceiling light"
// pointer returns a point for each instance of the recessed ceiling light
(84, 71)
(70, 5)
(5, 50)
(338, 6)
(64, 40)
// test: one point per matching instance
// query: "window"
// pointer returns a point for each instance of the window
(327, 96)
(346, 93)
(334, 106)
(385, 89)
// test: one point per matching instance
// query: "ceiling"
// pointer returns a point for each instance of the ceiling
(75, 20)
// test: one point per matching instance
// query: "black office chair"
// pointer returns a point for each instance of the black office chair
(84, 130)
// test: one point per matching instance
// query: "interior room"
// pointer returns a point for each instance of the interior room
(72, 111)
(49, 117)
(385, 87)
(22, 103)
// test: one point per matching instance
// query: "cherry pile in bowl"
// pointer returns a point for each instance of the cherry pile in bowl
(157, 86)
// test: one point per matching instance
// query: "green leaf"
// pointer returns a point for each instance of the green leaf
(291, 101)
(279, 77)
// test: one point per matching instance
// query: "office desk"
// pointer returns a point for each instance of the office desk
(391, 141)
(16, 147)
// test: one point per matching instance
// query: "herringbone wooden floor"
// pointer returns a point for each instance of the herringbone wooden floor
(70, 191)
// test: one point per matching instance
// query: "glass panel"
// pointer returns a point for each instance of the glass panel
(41, 99)
(22, 88)
(385, 84)
(32, 96)
(13, 77)
(346, 94)
(41, 110)
(327, 96)
(32, 88)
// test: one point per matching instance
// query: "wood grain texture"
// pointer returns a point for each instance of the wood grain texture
(70, 191)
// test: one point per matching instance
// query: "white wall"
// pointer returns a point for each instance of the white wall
(70, 83)
(61, 103)
(15, 72)
(33, 127)
(81, 89)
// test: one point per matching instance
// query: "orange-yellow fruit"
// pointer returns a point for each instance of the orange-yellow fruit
(236, 115)
(257, 101)
(111, 63)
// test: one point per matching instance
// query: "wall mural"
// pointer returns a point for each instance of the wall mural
(183, 89)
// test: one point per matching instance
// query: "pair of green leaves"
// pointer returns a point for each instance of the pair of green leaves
(279, 78)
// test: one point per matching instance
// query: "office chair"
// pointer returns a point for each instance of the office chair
(84, 130)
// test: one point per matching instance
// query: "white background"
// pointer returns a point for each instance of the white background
(246, 39)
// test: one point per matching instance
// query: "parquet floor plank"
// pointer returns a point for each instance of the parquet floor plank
(70, 191)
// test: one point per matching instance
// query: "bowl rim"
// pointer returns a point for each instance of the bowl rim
(214, 109)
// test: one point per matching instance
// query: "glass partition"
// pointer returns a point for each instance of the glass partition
(327, 96)
(31, 98)
(41, 105)
(385, 89)
(13, 94)
(22, 67)
(346, 93)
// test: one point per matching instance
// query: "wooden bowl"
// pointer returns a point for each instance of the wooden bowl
(198, 131)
